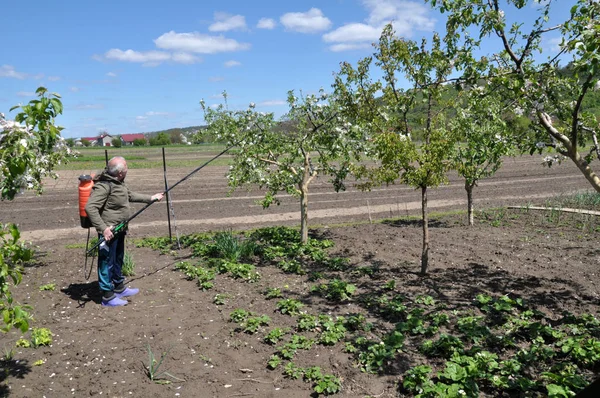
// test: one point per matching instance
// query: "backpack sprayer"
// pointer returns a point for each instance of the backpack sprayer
(119, 228)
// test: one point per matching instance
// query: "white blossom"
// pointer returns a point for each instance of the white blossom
(540, 145)
(23, 142)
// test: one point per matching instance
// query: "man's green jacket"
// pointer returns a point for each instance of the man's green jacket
(108, 204)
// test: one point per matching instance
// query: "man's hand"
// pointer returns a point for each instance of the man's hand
(157, 197)
(108, 235)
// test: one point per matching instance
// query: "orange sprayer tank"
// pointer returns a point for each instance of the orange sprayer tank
(86, 183)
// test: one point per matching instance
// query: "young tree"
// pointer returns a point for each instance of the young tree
(313, 140)
(30, 147)
(483, 137)
(161, 139)
(552, 98)
(116, 142)
(386, 107)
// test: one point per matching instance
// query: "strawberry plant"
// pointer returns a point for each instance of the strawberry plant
(289, 306)
(274, 336)
(336, 290)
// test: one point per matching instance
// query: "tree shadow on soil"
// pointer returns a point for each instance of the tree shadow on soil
(417, 223)
(457, 287)
(11, 368)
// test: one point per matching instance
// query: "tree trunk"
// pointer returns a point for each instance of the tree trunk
(469, 189)
(304, 214)
(571, 148)
(425, 253)
(585, 169)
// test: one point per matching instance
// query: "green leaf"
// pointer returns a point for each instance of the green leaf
(556, 391)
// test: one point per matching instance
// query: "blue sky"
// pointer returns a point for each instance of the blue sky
(132, 66)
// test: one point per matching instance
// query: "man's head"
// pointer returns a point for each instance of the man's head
(117, 168)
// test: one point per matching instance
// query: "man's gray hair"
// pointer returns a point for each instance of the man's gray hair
(115, 165)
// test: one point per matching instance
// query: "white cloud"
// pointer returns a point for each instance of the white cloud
(405, 15)
(214, 79)
(312, 21)
(74, 89)
(9, 71)
(26, 94)
(145, 57)
(185, 58)
(272, 103)
(198, 43)
(148, 58)
(53, 78)
(349, 46)
(552, 45)
(111, 74)
(89, 106)
(153, 113)
(266, 23)
(354, 32)
(226, 22)
(230, 64)
(141, 118)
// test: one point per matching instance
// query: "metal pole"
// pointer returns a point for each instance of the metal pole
(106, 156)
(166, 190)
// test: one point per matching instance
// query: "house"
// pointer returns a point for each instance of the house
(92, 140)
(105, 139)
(102, 140)
(129, 138)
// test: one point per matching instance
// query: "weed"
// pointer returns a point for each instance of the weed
(231, 248)
(41, 337)
(49, 287)
(128, 265)
(23, 343)
(153, 366)
(9, 354)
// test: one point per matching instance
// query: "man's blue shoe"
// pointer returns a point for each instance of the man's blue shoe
(128, 292)
(114, 302)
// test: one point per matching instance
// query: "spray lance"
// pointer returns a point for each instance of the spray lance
(122, 226)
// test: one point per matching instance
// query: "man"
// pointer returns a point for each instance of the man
(107, 206)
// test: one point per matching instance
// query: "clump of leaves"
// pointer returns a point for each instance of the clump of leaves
(272, 293)
(203, 276)
(274, 336)
(41, 337)
(220, 298)
(289, 306)
(48, 287)
(336, 290)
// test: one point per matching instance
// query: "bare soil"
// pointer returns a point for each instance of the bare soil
(101, 351)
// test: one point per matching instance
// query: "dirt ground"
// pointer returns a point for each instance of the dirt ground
(100, 351)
